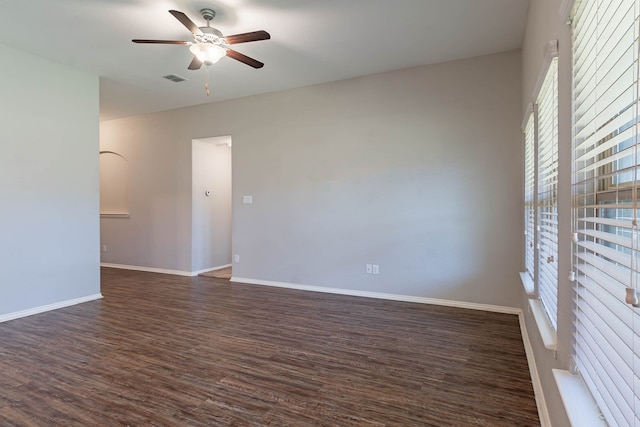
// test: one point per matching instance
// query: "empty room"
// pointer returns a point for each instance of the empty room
(302, 213)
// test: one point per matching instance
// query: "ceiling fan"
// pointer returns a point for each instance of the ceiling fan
(209, 45)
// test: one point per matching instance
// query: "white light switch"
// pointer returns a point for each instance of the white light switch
(247, 199)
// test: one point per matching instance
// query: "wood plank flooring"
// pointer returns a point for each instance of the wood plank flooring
(163, 350)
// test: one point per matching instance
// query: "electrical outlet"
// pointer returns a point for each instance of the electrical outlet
(369, 269)
(376, 269)
(104, 248)
(236, 258)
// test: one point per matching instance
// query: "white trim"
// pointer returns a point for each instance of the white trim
(550, 53)
(527, 114)
(163, 270)
(207, 270)
(148, 269)
(547, 331)
(379, 295)
(48, 307)
(581, 409)
(566, 11)
(538, 390)
(527, 284)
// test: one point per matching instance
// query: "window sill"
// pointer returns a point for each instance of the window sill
(577, 400)
(527, 283)
(547, 331)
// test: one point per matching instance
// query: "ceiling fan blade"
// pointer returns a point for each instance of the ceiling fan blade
(184, 19)
(159, 41)
(244, 58)
(195, 64)
(248, 37)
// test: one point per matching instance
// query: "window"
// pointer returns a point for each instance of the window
(547, 220)
(529, 198)
(541, 197)
(606, 345)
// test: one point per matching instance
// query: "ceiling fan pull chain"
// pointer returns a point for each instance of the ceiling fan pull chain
(206, 85)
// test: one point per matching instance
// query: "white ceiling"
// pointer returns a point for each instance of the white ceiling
(312, 41)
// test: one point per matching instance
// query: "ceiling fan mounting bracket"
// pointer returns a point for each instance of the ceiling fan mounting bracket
(209, 34)
(208, 14)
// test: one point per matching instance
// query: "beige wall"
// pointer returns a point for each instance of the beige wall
(417, 171)
(48, 183)
(544, 24)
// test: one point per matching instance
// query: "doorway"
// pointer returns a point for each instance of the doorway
(211, 203)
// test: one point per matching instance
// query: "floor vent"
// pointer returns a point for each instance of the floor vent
(174, 78)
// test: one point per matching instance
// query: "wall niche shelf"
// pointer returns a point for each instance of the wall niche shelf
(114, 215)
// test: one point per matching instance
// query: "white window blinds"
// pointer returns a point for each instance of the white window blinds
(548, 192)
(529, 196)
(605, 102)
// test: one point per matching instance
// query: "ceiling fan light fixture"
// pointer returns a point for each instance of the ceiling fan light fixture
(207, 53)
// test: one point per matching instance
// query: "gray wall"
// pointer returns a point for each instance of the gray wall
(415, 170)
(158, 232)
(544, 24)
(48, 183)
(211, 215)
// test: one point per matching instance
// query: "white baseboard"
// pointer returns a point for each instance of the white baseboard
(206, 270)
(350, 292)
(48, 307)
(147, 269)
(162, 270)
(538, 391)
(380, 295)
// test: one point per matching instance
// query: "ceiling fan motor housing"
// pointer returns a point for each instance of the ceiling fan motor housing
(209, 35)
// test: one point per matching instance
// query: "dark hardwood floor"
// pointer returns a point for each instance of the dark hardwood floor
(163, 350)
